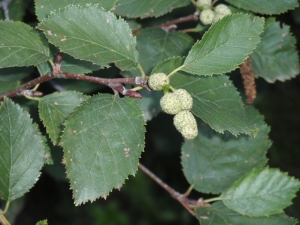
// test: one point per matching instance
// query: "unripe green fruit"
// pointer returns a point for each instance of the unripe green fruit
(157, 81)
(189, 132)
(186, 100)
(207, 16)
(204, 3)
(170, 103)
(221, 11)
(183, 119)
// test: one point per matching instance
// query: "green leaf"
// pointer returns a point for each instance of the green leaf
(20, 45)
(212, 164)
(262, 192)
(6, 86)
(145, 8)
(219, 214)
(225, 45)
(102, 143)
(266, 6)
(55, 108)
(92, 34)
(21, 151)
(156, 45)
(216, 100)
(275, 57)
(16, 9)
(44, 222)
(44, 7)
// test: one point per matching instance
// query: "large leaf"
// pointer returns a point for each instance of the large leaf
(216, 100)
(225, 45)
(55, 108)
(44, 7)
(145, 8)
(156, 45)
(21, 151)
(212, 164)
(262, 192)
(275, 57)
(21, 45)
(219, 214)
(92, 34)
(102, 144)
(266, 6)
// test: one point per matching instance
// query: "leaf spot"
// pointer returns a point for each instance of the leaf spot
(71, 160)
(55, 103)
(49, 32)
(64, 38)
(107, 20)
(127, 150)
(250, 39)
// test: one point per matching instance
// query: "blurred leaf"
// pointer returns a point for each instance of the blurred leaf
(102, 144)
(6, 86)
(15, 73)
(225, 45)
(275, 57)
(266, 6)
(16, 9)
(219, 214)
(216, 100)
(92, 34)
(155, 45)
(21, 45)
(262, 192)
(44, 222)
(44, 7)
(145, 8)
(55, 108)
(213, 164)
(21, 151)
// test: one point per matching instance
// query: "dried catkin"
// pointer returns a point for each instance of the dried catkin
(248, 77)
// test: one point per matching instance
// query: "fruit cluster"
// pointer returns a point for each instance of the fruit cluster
(178, 103)
(209, 15)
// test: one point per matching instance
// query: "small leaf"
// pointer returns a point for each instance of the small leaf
(92, 34)
(102, 143)
(262, 192)
(21, 151)
(156, 45)
(225, 45)
(216, 100)
(275, 57)
(55, 108)
(266, 6)
(212, 164)
(44, 222)
(219, 214)
(20, 45)
(44, 7)
(145, 8)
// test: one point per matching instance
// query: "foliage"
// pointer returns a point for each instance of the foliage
(103, 135)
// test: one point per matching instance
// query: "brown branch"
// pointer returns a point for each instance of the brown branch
(106, 81)
(189, 204)
(192, 17)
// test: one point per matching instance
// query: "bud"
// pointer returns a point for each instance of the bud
(189, 132)
(221, 10)
(170, 103)
(157, 81)
(186, 100)
(184, 118)
(207, 16)
(203, 3)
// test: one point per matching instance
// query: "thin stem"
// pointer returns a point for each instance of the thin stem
(175, 71)
(188, 192)
(3, 220)
(142, 71)
(212, 199)
(50, 76)
(6, 207)
(183, 201)
(192, 17)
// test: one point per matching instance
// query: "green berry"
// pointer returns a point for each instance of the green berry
(183, 119)
(189, 132)
(207, 16)
(170, 103)
(203, 3)
(221, 11)
(186, 100)
(157, 81)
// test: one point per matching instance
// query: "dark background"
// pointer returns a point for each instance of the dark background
(141, 201)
